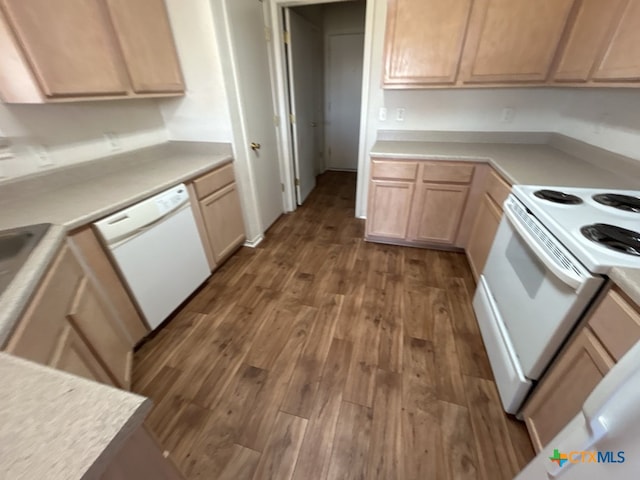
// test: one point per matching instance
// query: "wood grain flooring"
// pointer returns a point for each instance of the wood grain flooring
(318, 355)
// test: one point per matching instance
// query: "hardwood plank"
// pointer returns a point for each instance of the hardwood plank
(258, 422)
(496, 455)
(385, 453)
(279, 456)
(450, 386)
(209, 456)
(315, 454)
(366, 335)
(459, 460)
(391, 326)
(300, 396)
(242, 464)
(422, 449)
(351, 443)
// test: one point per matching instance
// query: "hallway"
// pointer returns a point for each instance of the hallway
(319, 355)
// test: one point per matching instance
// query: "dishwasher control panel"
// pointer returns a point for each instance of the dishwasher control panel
(143, 215)
(172, 199)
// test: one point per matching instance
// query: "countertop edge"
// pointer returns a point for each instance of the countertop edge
(101, 463)
(628, 280)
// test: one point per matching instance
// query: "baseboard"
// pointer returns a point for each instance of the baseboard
(255, 242)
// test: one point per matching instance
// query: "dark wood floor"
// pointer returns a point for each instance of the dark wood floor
(319, 355)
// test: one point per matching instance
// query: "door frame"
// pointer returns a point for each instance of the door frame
(277, 60)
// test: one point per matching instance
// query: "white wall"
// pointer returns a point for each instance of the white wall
(608, 118)
(74, 133)
(203, 113)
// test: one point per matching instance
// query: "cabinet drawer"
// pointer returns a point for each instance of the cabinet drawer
(497, 188)
(210, 182)
(394, 170)
(45, 319)
(616, 323)
(447, 172)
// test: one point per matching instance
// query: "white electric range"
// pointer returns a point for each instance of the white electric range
(546, 265)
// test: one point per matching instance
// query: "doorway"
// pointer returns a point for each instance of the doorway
(324, 51)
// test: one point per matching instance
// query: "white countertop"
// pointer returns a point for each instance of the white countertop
(57, 426)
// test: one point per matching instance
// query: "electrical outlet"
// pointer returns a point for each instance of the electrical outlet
(113, 141)
(382, 114)
(42, 156)
(507, 114)
(400, 114)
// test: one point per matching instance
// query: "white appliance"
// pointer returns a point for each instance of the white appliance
(607, 430)
(157, 247)
(541, 275)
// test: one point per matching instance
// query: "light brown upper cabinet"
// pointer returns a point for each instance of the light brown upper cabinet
(86, 49)
(144, 33)
(424, 41)
(621, 61)
(513, 40)
(586, 38)
(68, 45)
(484, 43)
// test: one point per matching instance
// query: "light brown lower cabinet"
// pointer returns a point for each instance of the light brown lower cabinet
(222, 216)
(413, 202)
(486, 222)
(73, 355)
(141, 458)
(70, 325)
(482, 234)
(218, 213)
(561, 393)
(438, 212)
(611, 329)
(389, 208)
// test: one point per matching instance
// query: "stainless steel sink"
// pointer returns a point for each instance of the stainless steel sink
(16, 245)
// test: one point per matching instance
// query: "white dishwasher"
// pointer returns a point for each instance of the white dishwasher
(157, 247)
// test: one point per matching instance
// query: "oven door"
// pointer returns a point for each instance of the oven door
(538, 287)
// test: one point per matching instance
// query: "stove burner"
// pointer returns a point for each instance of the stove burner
(621, 202)
(614, 238)
(558, 197)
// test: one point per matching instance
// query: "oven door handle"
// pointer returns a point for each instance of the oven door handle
(572, 279)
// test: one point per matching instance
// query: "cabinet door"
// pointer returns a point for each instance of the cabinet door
(145, 36)
(44, 321)
(74, 356)
(69, 46)
(437, 212)
(424, 41)
(563, 390)
(482, 234)
(586, 39)
(513, 40)
(389, 208)
(223, 221)
(621, 60)
(94, 257)
(97, 324)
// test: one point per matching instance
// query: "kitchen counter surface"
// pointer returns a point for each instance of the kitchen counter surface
(524, 164)
(57, 426)
(73, 197)
(520, 162)
(628, 279)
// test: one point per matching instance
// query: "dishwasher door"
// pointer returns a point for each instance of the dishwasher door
(158, 250)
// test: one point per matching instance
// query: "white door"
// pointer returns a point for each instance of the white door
(250, 53)
(305, 71)
(344, 78)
